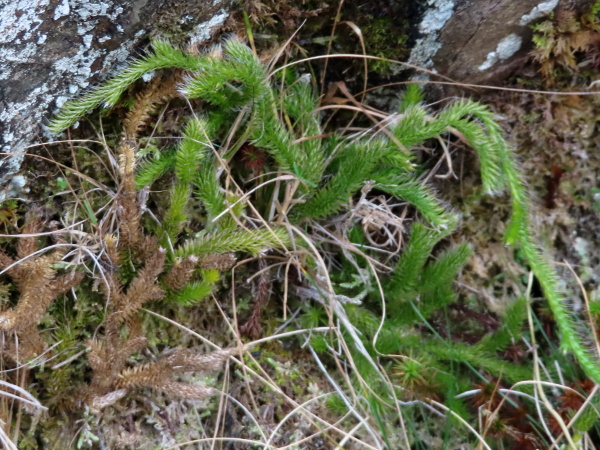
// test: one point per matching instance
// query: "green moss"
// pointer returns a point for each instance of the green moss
(386, 30)
(385, 38)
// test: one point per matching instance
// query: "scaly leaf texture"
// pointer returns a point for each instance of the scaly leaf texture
(212, 196)
(193, 293)
(468, 354)
(436, 284)
(463, 116)
(239, 78)
(415, 192)
(269, 133)
(299, 104)
(191, 151)
(445, 268)
(235, 240)
(229, 81)
(354, 168)
(406, 274)
(499, 169)
(510, 331)
(413, 95)
(188, 157)
(415, 126)
(176, 215)
(152, 169)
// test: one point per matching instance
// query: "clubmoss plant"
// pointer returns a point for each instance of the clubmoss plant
(309, 179)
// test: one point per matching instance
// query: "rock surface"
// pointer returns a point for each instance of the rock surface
(479, 41)
(52, 50)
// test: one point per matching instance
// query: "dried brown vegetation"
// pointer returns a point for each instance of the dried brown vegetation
(122, 336)
(568, 43)
(34, 274)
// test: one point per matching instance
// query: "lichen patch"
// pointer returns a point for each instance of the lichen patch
(506, 48)
(427, 46)
(539, 11)
(203, 31)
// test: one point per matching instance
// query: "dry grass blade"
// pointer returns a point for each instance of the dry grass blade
(7, 443)
(265, 378)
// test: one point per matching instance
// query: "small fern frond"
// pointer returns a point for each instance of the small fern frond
(412, 96)
(267, 132)
(471, 119)
(299, 103)
(407, 272)
(414, 126)
(176, 214)
(444, 270)
(510, 331)
(355, 167)
(230, 81)
(571, 340)
(212, 196)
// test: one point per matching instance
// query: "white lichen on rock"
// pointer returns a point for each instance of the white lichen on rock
(203, 31)
(14, 187)
(509, 45)
(433, 21)
(539, 11)
(62, 10)
(506, 48)
(19, 23)
(18, 181)
(436, 17)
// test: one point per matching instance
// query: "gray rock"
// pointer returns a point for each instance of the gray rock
(479, 41)
(52, 50)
